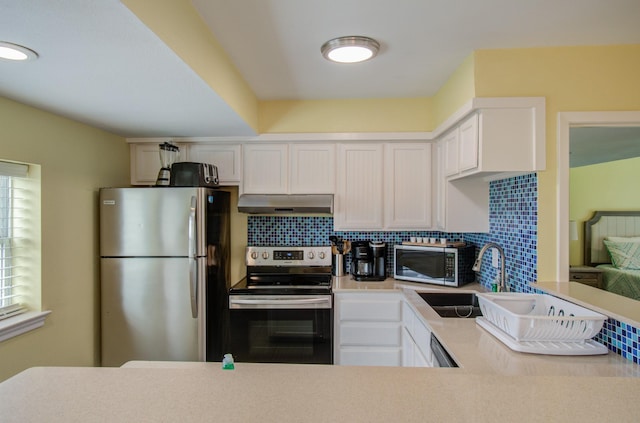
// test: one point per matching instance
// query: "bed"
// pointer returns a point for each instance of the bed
(616, 232)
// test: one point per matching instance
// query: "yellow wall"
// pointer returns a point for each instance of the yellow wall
(604, 186)
(351, 115)
(459, 88)
(601, 78)
(75, 160)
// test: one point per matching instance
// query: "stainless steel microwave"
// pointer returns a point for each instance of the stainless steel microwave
(450, 266)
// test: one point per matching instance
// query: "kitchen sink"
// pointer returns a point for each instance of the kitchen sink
(453, 304)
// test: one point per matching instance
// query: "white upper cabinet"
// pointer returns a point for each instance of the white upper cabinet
(384, 186)
(145, 162)
(495, 143)
(460, 205)
(407, 194)
(295, 168)
(313, 168)
(382, 182)
(266, 169)
(359, 191)
(226, 157)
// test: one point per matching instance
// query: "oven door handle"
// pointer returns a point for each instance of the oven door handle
(279, 302)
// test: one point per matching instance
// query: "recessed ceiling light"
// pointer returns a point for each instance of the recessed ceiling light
(350, 49)
(14, 52)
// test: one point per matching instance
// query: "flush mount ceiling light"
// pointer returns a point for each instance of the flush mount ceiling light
(350, 49)
(14, 52)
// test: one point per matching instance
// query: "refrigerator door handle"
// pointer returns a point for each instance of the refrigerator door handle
(193, 264)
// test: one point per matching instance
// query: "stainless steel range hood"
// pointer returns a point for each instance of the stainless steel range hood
(282, 203)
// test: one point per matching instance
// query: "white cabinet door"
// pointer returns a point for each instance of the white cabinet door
(226, 157)
(145, 162)
(313, 168)
(265, 169)
(468, 144)
(360, 188)
(407, 177)
(497, 143)
(451, 156)
(368, 329)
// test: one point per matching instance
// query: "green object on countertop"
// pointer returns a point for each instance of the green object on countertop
(494, 287)
(227, 362)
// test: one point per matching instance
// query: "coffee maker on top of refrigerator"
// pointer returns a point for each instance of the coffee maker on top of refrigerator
(368, 260)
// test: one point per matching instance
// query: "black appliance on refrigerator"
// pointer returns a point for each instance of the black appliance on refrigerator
(368, 260)
(165, 255)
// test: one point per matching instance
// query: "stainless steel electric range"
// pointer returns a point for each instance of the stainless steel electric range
(282, 312)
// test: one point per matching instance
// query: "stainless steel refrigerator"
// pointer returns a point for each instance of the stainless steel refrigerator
(164, 267)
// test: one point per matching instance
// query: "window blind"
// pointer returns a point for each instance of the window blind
(13, 210)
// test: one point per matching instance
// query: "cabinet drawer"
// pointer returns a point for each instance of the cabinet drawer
(371, 357)
(371, 310)
(380, 334)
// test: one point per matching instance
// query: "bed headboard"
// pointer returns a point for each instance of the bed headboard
(604, 224)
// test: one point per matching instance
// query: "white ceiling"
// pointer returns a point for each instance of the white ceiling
(100, 65)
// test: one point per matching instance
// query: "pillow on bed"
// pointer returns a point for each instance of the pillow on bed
(624, 255)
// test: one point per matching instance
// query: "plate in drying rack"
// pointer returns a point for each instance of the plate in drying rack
(588, 347)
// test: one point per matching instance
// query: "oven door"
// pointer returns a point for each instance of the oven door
(281, 329)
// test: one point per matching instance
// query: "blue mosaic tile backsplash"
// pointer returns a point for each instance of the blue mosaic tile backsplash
(513, 217)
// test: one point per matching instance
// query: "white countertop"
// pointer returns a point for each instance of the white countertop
(201, 392)
(493, 384)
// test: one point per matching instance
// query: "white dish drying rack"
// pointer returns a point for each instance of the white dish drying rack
(541, 324)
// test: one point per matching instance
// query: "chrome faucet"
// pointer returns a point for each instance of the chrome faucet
(502, 286)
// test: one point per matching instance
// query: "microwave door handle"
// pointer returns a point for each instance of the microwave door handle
(193, 263)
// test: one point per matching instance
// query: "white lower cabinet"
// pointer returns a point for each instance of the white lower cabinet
(416, 340)
(368, 329)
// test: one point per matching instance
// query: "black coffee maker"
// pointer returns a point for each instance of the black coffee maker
(368, 260)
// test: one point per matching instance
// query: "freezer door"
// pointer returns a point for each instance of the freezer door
(147, 222)
(147, 313)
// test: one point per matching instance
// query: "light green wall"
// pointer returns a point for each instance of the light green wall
(75, 160)
(604, 186)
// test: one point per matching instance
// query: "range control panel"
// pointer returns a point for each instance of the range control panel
(289, 256)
